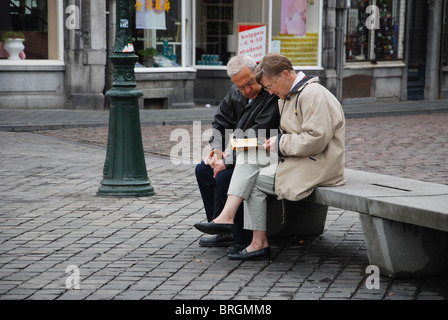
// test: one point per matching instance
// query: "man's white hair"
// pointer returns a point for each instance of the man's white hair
(237, 63)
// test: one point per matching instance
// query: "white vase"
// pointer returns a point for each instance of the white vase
(14, 47)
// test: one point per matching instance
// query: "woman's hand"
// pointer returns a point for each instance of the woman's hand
(271, 144)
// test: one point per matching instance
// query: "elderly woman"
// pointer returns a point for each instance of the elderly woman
(310, 149)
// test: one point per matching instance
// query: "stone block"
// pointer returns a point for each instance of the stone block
(85, 101)
(168, 89)
(388, 88)
(97, 57)
(98, 25)
(32, 101)
(28, 87)
(41, 81)
(402, 250)
(97, 79)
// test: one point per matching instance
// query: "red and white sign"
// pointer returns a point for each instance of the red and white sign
(252, 40)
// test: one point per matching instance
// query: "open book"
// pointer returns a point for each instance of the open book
(247, 143)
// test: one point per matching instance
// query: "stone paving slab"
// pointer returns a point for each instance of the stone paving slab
(147, 248)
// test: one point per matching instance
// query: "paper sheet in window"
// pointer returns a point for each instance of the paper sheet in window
(150, 19)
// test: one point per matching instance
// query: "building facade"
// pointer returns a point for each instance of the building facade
(363, 50)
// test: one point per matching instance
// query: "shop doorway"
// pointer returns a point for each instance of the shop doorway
(418, 32)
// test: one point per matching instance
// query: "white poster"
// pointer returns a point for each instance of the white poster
(252, 41)
(150, 14)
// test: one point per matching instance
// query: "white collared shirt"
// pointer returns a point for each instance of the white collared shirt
(299, 78)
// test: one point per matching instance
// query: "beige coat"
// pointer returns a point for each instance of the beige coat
(311, 147)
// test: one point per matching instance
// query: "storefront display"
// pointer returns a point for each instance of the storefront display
(381, 40)
(292, 28)
(158, 27)
(357, 43)
(387, 35)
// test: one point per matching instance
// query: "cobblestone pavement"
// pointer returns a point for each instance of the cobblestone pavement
(146, 248)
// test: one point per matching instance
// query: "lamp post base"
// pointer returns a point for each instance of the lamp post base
(126, 191)
(124, 172)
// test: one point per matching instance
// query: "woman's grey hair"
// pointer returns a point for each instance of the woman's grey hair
(237, 63)
(272, 65)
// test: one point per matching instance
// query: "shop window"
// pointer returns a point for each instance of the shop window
(36, 19)
(375, 30)
(158, 32)
(293, 24)
(214, 30)
(295, 30)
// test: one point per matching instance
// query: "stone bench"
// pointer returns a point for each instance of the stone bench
(404, 221)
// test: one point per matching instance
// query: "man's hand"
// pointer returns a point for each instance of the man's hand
(214, 155)
(216, 160)
(218, 166)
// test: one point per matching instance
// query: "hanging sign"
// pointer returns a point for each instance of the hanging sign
(150, 14)
(252, 40)
(156, 5)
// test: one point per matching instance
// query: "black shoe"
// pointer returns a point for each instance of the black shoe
(215, 228)
(220, 240)
(264, 253)
(237, 247)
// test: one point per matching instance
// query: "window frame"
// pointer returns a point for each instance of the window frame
(58, 35)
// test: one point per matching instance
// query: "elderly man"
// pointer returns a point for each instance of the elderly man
(246, 109)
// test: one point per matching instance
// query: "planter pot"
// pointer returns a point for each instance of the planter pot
(14, 47)
(148, 62)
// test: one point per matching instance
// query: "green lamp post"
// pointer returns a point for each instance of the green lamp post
(124, 172)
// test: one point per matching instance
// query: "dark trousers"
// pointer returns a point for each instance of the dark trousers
(214, 195)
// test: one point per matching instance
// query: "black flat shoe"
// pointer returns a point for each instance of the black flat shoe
(215, 228)
(237, 247)
(220, 240)
(264, 253)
